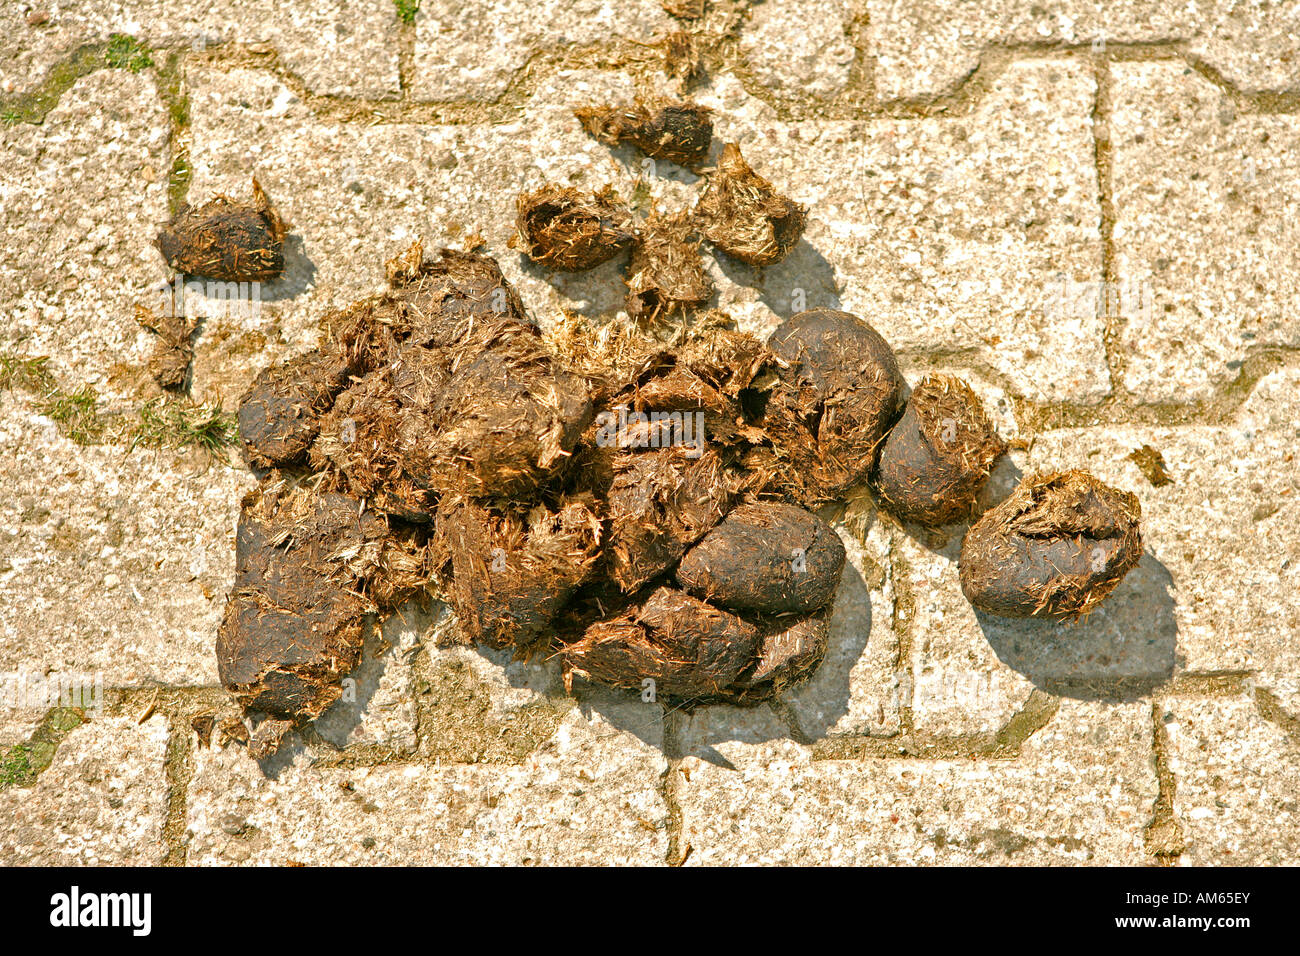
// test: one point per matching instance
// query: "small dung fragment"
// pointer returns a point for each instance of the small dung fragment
(840, 393)
(666, 275)
(441, 298)
(1152, 464)
(169, 363)
(936, 459)
(765, 558)
(226, 240)
(743, 215)
(203, 725)
(1054, 549)
(682, 58)
(678, 132)
(508, 575)
(689, 648)
(684, 9)
(561, 229)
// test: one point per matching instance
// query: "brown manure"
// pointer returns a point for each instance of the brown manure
(560, 228)
(678, 132)
(687, 647)
(937, 458)
(765, 558)
(743, 215)
(226, 240)
(1054, 549)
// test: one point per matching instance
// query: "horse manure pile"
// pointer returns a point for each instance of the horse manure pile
(646, 512)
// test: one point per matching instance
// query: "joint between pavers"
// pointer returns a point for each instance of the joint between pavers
(1006, 743)
(1163, 835)
(1225, 683)
(1271, 709)
(670, 783)
(1103, 166)
(179, 766)
(1123, 409)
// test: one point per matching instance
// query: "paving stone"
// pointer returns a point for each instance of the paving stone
(589, 795)
(1222, 549)
(473, 50)
(802, 48)
(959, 683)
(101, 802)
(16, 722)
(336, 47)
(124, 560)
(924, 50)
(71, 270)
(945, 234)
(1237, 793)
(1080, 792)
(1208, 266)
(1253, 45)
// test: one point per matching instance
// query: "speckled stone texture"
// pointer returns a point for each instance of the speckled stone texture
(1085, 210)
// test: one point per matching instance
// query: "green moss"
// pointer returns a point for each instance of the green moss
(406, 9)
(20, 766)
(32, 106)
(127, 53)
(640, 195)
(16, 768)
(171, 86)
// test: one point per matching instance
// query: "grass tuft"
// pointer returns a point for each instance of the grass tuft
(177, 424)
(31, 374)
(76, 414)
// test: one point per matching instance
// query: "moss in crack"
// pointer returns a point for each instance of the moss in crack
(24, 762)
(407, 9)
(31, 107)
(124, 52)
(172, 89)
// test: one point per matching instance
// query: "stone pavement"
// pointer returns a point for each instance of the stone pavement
(1087, 209)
